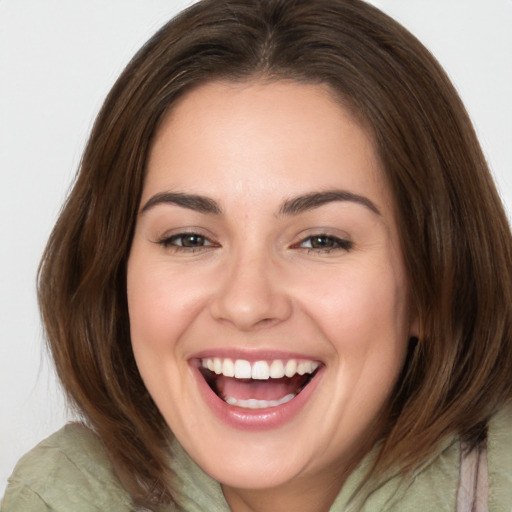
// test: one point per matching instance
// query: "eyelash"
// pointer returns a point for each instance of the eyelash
(170, 242)
(336, 243)
(331, 243)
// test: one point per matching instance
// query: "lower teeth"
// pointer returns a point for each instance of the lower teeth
(253, 403)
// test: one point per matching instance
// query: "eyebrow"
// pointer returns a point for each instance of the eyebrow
(194, 202)
(292, 206)
(300, 204)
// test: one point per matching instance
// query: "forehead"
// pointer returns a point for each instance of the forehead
(257, 137)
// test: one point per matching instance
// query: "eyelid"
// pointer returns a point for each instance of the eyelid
(340, 243)
(166, 240)
(170, 239)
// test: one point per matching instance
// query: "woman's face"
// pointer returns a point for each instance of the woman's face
(267, 294)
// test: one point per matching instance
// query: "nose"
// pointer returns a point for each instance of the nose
(251, 295)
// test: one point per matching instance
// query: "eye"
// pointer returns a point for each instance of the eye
(325, 243)
(186, 241)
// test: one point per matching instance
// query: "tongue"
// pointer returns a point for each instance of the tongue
(271, 389)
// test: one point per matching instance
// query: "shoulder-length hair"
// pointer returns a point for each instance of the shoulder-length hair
(454, 233)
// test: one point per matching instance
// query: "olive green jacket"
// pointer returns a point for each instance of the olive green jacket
(70, 472)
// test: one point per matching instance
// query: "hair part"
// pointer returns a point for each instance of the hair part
(454, 233)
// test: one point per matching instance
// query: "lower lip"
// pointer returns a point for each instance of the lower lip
(256, 419)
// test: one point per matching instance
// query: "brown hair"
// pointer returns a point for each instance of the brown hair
(454, 233)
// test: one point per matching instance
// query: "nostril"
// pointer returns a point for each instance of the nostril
(266, 321)
(248, 297)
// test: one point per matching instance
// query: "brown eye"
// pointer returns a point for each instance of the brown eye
(325, 243)
(322, 242)
(185, 241)
(191, 240)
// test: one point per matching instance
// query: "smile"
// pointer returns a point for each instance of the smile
(259, 384)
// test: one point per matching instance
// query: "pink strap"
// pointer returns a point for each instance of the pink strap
(472, 494)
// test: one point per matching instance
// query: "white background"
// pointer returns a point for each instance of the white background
(58, 59)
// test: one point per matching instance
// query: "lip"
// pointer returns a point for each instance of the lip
(254, 419)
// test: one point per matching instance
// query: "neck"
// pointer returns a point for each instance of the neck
(302, 495)
(277, 500)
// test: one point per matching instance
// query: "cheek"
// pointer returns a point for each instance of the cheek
(364, 315)
(161, 304)
(363, 299)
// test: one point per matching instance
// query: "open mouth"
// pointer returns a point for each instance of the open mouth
(259, 384)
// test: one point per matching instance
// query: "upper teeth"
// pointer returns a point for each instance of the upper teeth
(262, 370)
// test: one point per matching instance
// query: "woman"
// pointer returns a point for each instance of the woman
(281, 281)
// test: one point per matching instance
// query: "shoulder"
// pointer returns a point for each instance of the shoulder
(67, 471)
(499, 453)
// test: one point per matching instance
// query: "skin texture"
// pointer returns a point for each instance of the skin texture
(257, 285)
